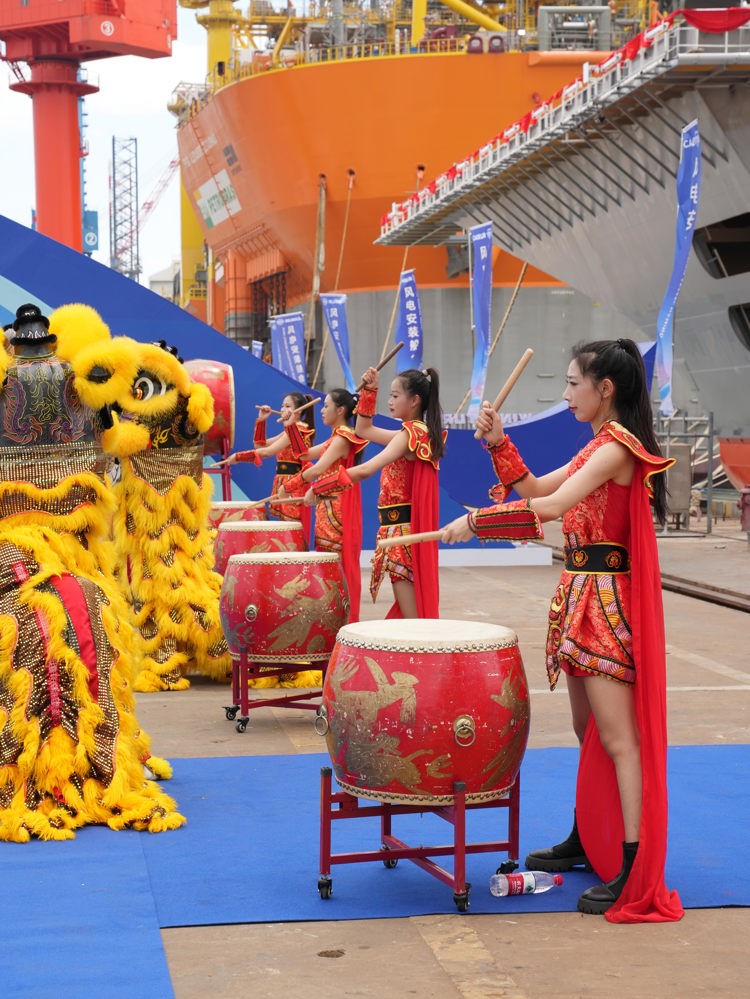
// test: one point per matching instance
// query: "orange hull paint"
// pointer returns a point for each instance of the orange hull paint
(276, 132)
(735, 457)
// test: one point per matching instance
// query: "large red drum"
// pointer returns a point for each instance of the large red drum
(257, 537)
(410, 707)
(283, 608)
(232, 511)
(219, 380)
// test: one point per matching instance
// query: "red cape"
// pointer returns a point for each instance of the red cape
(351, 522)
(425, 516)
(645, 897)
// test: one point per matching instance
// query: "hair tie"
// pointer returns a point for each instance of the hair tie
(621, 344)
(427, 375)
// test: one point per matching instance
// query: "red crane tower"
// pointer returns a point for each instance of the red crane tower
(54, 38)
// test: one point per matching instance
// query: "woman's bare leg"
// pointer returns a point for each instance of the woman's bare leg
(613, 708)
(580, 709)
(406, 597)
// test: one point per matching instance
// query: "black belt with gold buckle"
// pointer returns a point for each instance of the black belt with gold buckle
(600, 557)
(288, 467)
(397, 513)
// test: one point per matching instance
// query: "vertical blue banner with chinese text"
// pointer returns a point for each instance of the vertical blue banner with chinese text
(481, 299)
(688, 194)
(288, 345)
(409, 326)
(334, 310)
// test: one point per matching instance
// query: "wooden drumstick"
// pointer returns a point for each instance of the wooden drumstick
(505, 390)
(410, 539)
(381, 364)
(277, 411)
(304, 406)
(277, 500)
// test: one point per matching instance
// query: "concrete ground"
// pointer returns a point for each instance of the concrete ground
(535, 956)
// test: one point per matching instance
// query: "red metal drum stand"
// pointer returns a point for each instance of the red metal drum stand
(244, 670)
(280, 612)
(335, 806)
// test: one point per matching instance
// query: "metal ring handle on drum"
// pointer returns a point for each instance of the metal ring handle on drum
(320, 724)
(464, 731)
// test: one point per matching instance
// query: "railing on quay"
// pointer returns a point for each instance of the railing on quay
(663, 46)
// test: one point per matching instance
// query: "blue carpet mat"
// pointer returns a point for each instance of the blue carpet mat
(82, 918)
(79, 920)
(249, 852)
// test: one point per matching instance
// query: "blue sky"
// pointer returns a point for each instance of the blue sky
(131, 102)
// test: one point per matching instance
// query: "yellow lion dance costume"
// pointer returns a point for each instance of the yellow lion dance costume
(160, 526)
(71, 750)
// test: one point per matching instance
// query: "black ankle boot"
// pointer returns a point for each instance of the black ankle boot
(562, 857)
(598, 899)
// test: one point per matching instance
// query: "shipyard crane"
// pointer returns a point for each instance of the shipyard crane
(126, 226)
(53, 40)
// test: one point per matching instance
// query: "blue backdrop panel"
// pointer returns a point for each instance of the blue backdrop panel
(36, 269)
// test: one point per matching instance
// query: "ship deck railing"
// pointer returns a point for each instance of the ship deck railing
(428, 215)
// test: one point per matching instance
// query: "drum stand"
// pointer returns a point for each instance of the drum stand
(225, 471)
(342, 805)
(245, 670)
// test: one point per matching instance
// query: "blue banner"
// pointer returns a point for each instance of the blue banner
(409, 326)
(334, 310)
(288, 345)
(257, 349)
(481, 300)
(688, 194)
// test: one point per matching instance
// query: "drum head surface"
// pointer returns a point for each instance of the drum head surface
(264, 558)
(429, 634)
(262, 525)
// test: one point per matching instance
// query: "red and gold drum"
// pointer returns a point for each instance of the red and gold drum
(257, 537)
(233, 511)
(283, 607)
(219, 380)
(412, 706)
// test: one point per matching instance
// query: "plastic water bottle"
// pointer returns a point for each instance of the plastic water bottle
(524, 883)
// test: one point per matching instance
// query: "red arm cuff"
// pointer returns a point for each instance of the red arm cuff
(509, 466)
(259, 434)
(297, 441)
(248, 456)
(368, 402)
(335, 482)
(295, 485)
(510, 522)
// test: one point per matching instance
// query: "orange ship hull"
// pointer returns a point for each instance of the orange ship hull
(271, 136)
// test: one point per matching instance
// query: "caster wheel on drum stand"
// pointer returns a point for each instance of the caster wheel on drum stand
(389, 862)
(241, 725)
(231, 712)
(325, 887)
(461, 898)
(507, 867)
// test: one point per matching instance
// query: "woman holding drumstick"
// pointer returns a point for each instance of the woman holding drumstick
(408, 485)
(338, 516)
(298, 434)
(606, 631)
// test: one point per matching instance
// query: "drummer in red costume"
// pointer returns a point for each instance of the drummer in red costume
(338, 515)
(298, 435)
(409, 499)
(606, 628)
